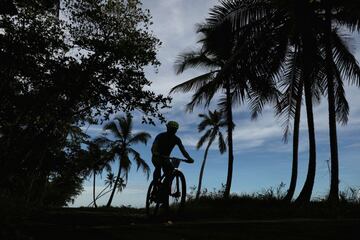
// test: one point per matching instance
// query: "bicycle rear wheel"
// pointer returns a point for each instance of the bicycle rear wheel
(177, 192)
(152, 203)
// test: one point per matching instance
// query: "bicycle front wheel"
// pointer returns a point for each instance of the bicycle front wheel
(177, 194)
(152, 203)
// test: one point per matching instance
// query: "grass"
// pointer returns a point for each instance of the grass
(268, 204)
(261, 215)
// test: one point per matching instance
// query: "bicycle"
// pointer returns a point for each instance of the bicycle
(175, 192)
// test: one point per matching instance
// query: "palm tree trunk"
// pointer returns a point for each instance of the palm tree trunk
(94, 197)
(202, 170)
(334, 183)
(229, 119)
(305, 194)
(309, 43)
(294, 171)
(115, 186)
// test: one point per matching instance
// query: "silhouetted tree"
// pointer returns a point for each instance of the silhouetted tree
(288, 107)
(340, 64)
(99, 158)
(299, 25)
(234, 69)
(121, 148)
(212, 123)
(59, 73)
(287, 24)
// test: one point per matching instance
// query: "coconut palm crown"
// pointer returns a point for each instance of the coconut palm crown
(121, 148)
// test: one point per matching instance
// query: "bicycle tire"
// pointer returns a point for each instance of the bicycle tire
(177, 192)
(152, 206)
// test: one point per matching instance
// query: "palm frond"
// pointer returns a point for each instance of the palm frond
(126, 125)
(345, 61)
(140, 163)
(293, 83)
(262, 91)
(102, 141)
(113, 128)
(141, 137)
(222, 144)
(204, 138)
(205, 94)
(194, 60)
(125, 163)
(240, 13)
(342, 106)
(195, 83)
(206, 122)
(110, 179)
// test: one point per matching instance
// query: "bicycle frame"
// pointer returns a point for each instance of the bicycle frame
(175, 162)
(179, 191)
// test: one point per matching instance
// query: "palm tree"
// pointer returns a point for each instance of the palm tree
(206, 85)
(301, 24)
(122, 148)
(340, 64)
(99, 159)
(290, 24)
(288, 107)
(214, 122)
(240, 79)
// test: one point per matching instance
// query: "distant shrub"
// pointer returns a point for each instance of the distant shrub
(350, 195)
(271, 193)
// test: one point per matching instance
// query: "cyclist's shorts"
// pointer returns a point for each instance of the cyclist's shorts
(162, 162)
(157, 161)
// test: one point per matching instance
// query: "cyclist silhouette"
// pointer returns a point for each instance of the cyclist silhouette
(161, 149)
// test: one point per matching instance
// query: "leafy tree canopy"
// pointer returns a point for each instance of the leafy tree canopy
(57, 73)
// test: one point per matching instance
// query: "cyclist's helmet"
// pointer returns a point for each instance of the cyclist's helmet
(172, 124)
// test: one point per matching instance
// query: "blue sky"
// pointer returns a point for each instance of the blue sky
(262, 160)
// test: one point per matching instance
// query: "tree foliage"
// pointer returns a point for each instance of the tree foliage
(58, 73)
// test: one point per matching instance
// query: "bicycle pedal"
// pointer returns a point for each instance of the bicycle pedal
(176, 195)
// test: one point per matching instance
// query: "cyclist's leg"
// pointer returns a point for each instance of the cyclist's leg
(168, 169)
(157, 172)
(156, 175)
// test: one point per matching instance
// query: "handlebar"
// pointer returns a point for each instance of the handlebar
(178, 159)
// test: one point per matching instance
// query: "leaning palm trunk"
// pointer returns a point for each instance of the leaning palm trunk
(305, 194)
(202, 170)
(334, 183)
(230, 139)
(294, 171)
(115, 186)
(309, 54)
(94, 197)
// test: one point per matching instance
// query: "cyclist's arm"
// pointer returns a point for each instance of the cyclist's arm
(183, 151)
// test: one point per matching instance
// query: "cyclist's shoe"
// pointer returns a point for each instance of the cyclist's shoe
(175, 195)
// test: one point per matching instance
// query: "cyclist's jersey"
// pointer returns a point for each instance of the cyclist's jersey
(164, 143)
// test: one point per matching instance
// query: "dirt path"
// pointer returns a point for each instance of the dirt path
(210, 229)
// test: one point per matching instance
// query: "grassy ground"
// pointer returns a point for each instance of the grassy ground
(209, 218)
